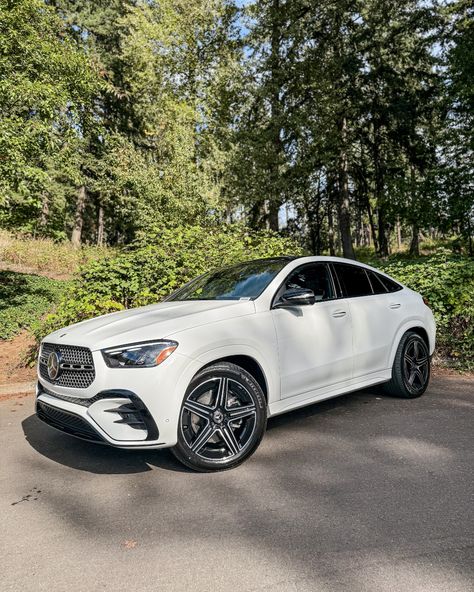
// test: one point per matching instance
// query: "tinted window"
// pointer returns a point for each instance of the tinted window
(312, 277)
(389, 284)
(246, 281)
(353, 280)
(377, 285)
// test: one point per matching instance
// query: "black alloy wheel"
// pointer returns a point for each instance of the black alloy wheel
(222, 419)
(411, 368)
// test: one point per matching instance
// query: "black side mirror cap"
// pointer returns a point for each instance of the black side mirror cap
(296, 297)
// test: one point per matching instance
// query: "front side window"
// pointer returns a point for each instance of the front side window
(313, 277)
(245, 281)
(353, 279)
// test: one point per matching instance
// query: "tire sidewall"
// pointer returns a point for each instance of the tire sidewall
(409, 339)
(226, 370)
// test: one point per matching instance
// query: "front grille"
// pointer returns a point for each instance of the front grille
(77, 365)
(66, 422)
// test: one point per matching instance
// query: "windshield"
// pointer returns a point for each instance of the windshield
(245, 281)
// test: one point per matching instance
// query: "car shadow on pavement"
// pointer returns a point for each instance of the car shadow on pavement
(94, 458)
(102, 459)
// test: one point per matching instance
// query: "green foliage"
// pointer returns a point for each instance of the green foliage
(447, 282)
(46, 89)
(155, 267)
(24, 299)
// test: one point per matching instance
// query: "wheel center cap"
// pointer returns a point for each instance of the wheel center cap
(218, 416)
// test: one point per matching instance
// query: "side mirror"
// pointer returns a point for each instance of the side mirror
(296, 297)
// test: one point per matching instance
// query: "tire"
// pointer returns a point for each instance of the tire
(411, 368)
(222, 420)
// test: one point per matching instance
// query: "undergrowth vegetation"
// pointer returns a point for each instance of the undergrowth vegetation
(155, 265)
(45, 256)
(447, 283)
(24, 299)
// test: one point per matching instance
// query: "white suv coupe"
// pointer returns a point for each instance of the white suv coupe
(202, 371)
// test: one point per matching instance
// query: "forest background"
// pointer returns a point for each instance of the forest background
(143, 142)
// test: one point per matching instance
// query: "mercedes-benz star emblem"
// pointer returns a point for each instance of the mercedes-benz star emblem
(54, 365)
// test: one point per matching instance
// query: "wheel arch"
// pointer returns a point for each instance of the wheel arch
(248, 363)
(415, 327)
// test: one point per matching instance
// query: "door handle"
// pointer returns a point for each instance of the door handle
(339, 313)
(394, 305)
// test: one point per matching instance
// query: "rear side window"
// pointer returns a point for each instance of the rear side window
(377, 285)
(389, 284)
(353, 279)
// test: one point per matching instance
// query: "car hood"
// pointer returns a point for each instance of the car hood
(156, 321)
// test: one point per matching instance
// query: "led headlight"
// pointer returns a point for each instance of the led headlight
(139, 355)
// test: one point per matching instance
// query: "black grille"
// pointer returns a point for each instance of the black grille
(77, 365)
(67, 422)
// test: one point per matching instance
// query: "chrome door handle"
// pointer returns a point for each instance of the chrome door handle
(394, 305)
(339, 313)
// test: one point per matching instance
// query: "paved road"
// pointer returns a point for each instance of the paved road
(359, 494)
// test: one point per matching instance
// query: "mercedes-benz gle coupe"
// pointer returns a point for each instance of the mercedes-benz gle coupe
(202, 371)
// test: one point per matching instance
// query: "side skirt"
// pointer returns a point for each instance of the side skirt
(317, 395)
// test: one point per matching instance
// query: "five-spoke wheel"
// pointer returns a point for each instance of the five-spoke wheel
(222, 419)
(411, 367)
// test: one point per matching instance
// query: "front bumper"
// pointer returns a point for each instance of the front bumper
(125, 408)
(117, 418)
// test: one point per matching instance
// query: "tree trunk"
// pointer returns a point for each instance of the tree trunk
(399, 234)
(332, 251)
(273, 211)
(342, 196)
(100, 227)
(469, 233)
(415, 242)
(382, 234)
(275, 197)
(44, 210)
(76, 237)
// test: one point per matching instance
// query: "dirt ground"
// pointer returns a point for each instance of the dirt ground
(12, 356)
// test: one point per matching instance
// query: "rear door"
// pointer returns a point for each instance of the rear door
(376, 316)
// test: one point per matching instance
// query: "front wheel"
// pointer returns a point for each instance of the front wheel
(222, 419)
(411, 368)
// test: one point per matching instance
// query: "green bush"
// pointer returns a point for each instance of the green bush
(153, 267)
(447, 283)
(24, 299)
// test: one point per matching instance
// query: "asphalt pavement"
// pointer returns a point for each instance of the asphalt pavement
(363, 493)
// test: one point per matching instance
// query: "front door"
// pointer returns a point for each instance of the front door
(314, 341)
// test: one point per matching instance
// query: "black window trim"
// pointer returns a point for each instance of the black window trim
(309, 263)
(341, 291)
(343, 295)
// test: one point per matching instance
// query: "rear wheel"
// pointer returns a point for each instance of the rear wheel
(222, 419)
(411, 368)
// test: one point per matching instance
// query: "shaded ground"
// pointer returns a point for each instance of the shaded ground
(360, 494)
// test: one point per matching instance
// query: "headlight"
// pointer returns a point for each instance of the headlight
(139, 355)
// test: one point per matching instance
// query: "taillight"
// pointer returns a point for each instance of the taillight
(426, 301)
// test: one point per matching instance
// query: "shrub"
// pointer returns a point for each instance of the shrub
(447, 282)
(157, 265)
(24, 299)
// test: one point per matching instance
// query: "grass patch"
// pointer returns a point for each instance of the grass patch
(44, 256)
(24, 299)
